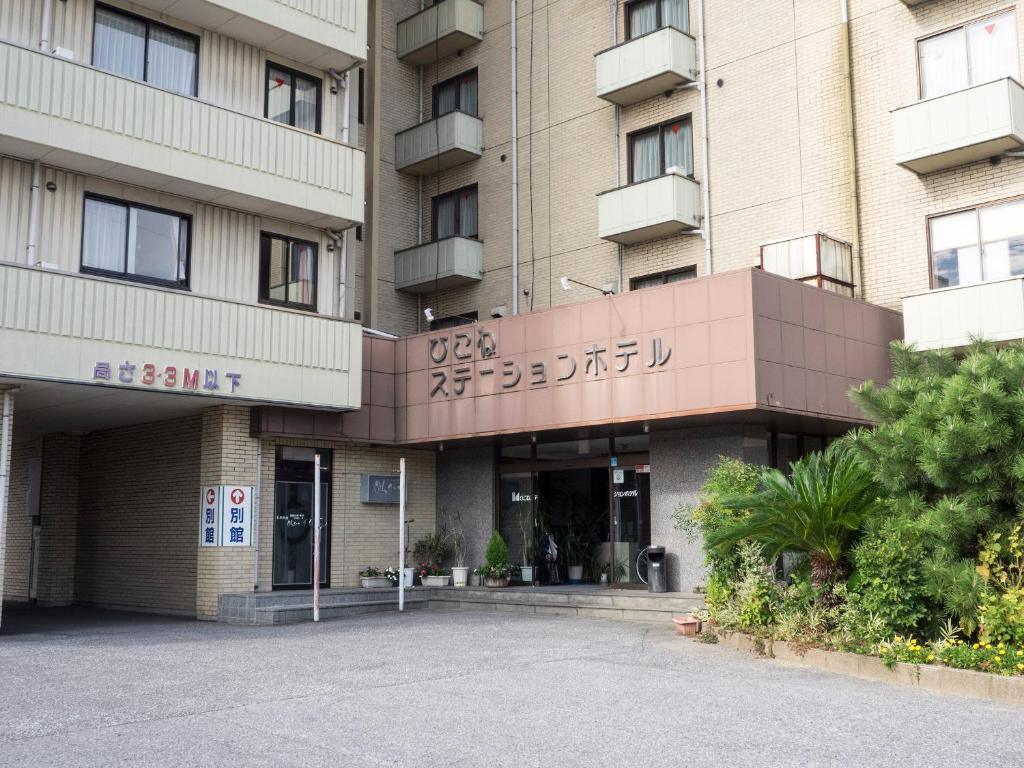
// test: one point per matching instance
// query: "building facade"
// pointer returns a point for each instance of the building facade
(574, 235)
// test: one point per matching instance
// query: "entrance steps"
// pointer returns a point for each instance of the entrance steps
(291, 606)
(584, 602)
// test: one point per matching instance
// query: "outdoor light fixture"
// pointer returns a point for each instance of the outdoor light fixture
(565, 283)
(429, 314)
(568, 281)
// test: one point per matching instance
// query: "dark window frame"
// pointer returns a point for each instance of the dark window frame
(660, 128)
(264, 273)
(454, 321)
(291, 104)
(634, 281)
(458, 223)
(360, 106)
(659, 22)
(125, 275)
(475, 72)
(145, 55)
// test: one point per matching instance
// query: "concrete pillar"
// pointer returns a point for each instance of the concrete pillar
(465, 484)
(58, 519)
(6, 443)
(228, 455)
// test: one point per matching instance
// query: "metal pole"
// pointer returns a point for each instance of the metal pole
(316, 536)
(515, 162)
(401, 534)
(5, 458)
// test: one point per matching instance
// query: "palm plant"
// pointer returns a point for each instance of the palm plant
(818, 511)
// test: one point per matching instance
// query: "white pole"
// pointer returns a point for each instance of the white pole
(401, 534)
(515, 163)
(316, 536)
(5, 435)
(705, 149)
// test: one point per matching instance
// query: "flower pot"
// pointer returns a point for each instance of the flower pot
(474, 579)
(375, 582)
(460, 576)
(575, 574)
(495, 583)
(435, 581)
(687, 626)
(410, 576)
(604, 579)
(526, 574)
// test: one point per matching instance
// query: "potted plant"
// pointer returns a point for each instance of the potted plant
(409, 572)
(373, 578)
(496, 568)
(575, 552)
(477, 575)
(430, 550)
(456, 545)
(392, 575)
(688, 625)
(432, 575)
(526, 566)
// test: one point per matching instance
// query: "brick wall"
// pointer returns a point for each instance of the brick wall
(17, 549)
(58, 518)
(4, 523)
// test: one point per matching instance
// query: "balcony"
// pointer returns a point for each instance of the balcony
(959, 128)
(440, 30)
(950, 317)
(439, 144)
(818, 259)
(912, 3)
(446, 263)
(646, 66)
(58, 326)
(322, 34)
(79, 118)
(649, 210)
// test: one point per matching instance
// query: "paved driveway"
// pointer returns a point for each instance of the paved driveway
(455, 689)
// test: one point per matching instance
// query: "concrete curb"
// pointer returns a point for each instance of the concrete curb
(945, 680)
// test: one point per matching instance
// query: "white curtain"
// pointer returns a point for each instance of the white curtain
(678, 138)
(103, 236)
(467, 94)
(444, 217)
(447, 98)
(119, 44)
(279, 95)
(676, 13)
(992, 47)
(468, 225)
(643, 18)
(302, 267)
(306, 106)
(172, 61)
(646, 163)
(155, 247)
(943, 64)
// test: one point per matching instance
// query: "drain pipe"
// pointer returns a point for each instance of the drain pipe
(515, 162)
(31, 252)
(419, 179)
(343, 303)
(44, 33)
(851, 146)
(706, 161)
(256, 516)
(618, 160)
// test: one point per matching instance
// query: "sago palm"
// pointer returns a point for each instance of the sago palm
(818, 511)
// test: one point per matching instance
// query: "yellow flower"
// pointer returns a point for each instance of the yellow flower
(1020, 653)
(999, 646)
(1020, 666)
(931, 657)
(975, 646)
(1001, 653)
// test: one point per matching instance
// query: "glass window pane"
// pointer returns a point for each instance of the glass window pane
(302, 275)
(643, 17)
(172, 61)
(119, 44)
(307, 107)
(678, 138)
(943, 63)
(955, 230)
(444, 214)
(447, 97)
(992, 47)
(103, 236)
(676, 13)
(468, 224)
(468, 94)
(997, 260)
(957, 266)
(999, 222)
(154, 244)
(277, 272)
(645, 161)
(279, 95)
(683, 274)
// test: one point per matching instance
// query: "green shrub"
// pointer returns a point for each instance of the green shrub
(887, 582)
(497, 552)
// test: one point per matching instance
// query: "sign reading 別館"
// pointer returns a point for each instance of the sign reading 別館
(225, 516)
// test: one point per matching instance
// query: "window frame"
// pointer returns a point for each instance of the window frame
(291, 104)
(690, 269)
(125, 275)
(145, 55)
(962, 28)
(263, 294)
(454, 321)
(660, 128)
(659, 22)
(435, 88)
(976, 209)
(361, 99)
(458, 215)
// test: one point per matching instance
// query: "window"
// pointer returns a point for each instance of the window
(981, 244)
(136, 47)
(360, 114)
(662, 278)
(287, 272)
(653, 151)
(645, 16)
(292, 98)
(455, 214)
(976, 53)
(135, 242)
(456, 94)
(453, 321)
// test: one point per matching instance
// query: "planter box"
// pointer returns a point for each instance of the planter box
(375, 582)
(435, 581)
(496, 583)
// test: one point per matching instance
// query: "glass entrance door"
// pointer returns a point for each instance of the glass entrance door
(631, 521)
(293, 517)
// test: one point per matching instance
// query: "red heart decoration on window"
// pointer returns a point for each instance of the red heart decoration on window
(990, 28)
(279, 81)
(676, 127)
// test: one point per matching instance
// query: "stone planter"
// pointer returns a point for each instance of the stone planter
(496, 583)
(474, 579)
(526, 574)
(460, 576)
(575, 574)
(375, 582)
(435, 581)
(687, 626)
(410, 576)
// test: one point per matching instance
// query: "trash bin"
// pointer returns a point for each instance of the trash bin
(657, 579)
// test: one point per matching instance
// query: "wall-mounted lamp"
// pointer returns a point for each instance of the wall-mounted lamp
(429, 314)
(567, 282)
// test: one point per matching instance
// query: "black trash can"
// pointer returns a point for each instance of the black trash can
(657, 579)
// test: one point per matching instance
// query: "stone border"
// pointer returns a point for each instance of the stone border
(930, 677)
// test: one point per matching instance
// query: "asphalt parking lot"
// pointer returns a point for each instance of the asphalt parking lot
(430, 688)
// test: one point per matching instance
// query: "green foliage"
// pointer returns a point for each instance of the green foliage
(887, 582)
(753, 598)
(819, 511)
(497, 553)
(1001, 564)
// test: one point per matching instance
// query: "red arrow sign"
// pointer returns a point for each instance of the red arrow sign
(211, 496)
(237, 495)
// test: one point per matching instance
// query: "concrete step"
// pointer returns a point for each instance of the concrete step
(285, 607)
(274, 615)
(678, 602)
(649, 615)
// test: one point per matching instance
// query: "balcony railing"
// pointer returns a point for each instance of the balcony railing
(89, 121)
(961, 127)
(446, 263)
(438, 144)
(646, 66)
(649, 210)
(950, 317)
(440, 30)
(58, 326)
(324, 34)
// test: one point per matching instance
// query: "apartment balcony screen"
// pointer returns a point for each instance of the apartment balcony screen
(816, 259)
(649, 210)
(440, 30)
(646, 66)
